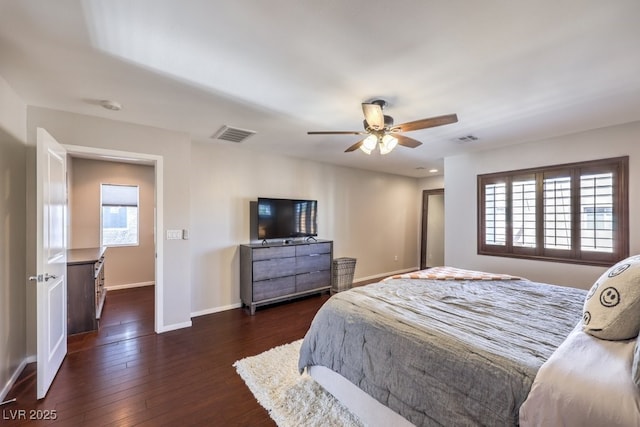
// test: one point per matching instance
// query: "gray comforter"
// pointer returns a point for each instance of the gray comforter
(443, 352)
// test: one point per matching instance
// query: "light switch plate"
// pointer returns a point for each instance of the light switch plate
(174, 234)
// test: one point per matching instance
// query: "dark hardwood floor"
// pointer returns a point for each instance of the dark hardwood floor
(126, 375)
(127, 313)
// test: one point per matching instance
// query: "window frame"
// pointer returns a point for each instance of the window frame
(619, 166)
(137, 206)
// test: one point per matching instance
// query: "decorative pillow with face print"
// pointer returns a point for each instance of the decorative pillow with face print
(612, 307)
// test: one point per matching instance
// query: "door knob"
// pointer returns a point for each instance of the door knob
(39, 278)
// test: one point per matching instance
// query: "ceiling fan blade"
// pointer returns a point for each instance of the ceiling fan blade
(406, 141)
(373, 115)
(337, 132)
(354, 147)
(426, 123)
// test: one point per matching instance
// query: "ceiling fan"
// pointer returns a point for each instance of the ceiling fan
(382, 132)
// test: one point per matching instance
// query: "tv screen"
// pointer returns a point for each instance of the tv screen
(285, 218)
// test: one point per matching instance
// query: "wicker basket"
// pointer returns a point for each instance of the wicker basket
(343, 269)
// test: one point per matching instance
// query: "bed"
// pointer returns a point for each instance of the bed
(426, 351)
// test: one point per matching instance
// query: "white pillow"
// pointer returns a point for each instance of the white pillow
(612, 307)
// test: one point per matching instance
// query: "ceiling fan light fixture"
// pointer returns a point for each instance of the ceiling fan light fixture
(369, 143)
(365, 149)
(388, 143)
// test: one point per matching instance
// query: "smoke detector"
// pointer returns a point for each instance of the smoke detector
(111, 105)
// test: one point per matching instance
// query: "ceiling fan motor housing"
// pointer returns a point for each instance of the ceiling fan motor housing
(388, 123)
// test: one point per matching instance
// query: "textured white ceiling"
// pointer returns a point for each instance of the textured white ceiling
(513, 71)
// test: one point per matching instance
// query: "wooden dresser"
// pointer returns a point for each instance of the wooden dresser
(275, 272)
(85, 289)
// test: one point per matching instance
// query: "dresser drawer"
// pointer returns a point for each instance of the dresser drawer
(273, 252)
(266, 289)
(313, 280)
(316, 248)
(313, 262)
(273, 268)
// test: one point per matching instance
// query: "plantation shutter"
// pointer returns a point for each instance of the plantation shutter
(495, 214)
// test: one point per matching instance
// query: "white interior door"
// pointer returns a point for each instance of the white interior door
(51, 258)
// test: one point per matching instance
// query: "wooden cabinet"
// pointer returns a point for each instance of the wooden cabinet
(85, 289)
(273, 273)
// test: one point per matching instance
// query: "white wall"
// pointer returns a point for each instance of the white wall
(13, 284)
(431, 183)
(461, 201)
(370, 216)
(175, 148)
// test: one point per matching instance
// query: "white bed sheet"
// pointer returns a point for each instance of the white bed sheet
(371, 412)
(586, 382)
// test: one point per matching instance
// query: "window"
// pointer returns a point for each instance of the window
(571, 213)
(119, 209)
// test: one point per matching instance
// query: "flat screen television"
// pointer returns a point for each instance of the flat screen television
(287, 218)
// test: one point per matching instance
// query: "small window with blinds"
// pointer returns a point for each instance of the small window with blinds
(119, 215)
(570, 213)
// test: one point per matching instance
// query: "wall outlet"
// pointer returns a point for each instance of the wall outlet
(185, 234)
(395, 258)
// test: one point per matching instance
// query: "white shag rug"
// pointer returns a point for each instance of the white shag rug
(290, 398)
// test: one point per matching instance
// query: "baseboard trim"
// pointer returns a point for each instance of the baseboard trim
(216, 310)
(384, 275)
(129, 286)
(14, 376)
(175, 326)
(360, 280)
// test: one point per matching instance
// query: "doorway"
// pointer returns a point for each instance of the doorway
(432, 242)
(156, 162)
(111, 205)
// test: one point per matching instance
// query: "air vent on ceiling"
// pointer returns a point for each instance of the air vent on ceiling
(468, 138)
(227, 133)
